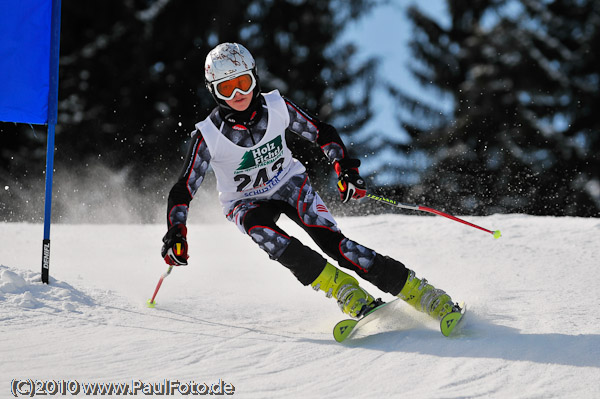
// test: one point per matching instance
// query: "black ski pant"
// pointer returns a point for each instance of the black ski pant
(297, 200)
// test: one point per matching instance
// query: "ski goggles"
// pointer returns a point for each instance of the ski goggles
(225, 89)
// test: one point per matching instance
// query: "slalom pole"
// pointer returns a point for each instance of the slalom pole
(52, 120)
(151, 302)
(414, 207)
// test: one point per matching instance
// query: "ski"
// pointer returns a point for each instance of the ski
(346, 328)
(452, 320)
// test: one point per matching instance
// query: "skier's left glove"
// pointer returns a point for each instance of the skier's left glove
(350, 184)
(175, 248)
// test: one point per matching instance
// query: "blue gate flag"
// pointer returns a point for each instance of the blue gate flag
(29, 55)
(25, 38)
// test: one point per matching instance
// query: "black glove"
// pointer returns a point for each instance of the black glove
(350, 184)
(175, 247)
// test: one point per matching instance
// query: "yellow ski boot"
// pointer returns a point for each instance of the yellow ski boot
(425, 297)
(352, 299)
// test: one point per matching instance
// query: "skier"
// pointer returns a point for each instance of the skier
(259, 179)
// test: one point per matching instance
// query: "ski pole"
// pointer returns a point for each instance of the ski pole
(151, 302)
(414, 207)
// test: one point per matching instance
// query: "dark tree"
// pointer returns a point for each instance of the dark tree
(132, 81)
(524, 81)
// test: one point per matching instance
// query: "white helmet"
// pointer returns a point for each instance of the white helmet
(226, 62)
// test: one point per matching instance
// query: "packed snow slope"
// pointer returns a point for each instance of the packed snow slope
(532, 331)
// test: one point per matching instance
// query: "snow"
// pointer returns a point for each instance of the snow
(532, 330)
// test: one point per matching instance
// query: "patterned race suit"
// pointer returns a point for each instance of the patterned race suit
(257, 216)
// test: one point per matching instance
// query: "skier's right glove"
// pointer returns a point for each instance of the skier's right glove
(175, 248)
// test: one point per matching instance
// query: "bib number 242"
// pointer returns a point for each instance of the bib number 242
(262, 177)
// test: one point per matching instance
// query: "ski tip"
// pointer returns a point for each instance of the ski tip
(497, 234)
(342, 330)
(150, 304)
(449, 322)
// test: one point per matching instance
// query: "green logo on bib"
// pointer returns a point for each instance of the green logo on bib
(261, 156)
